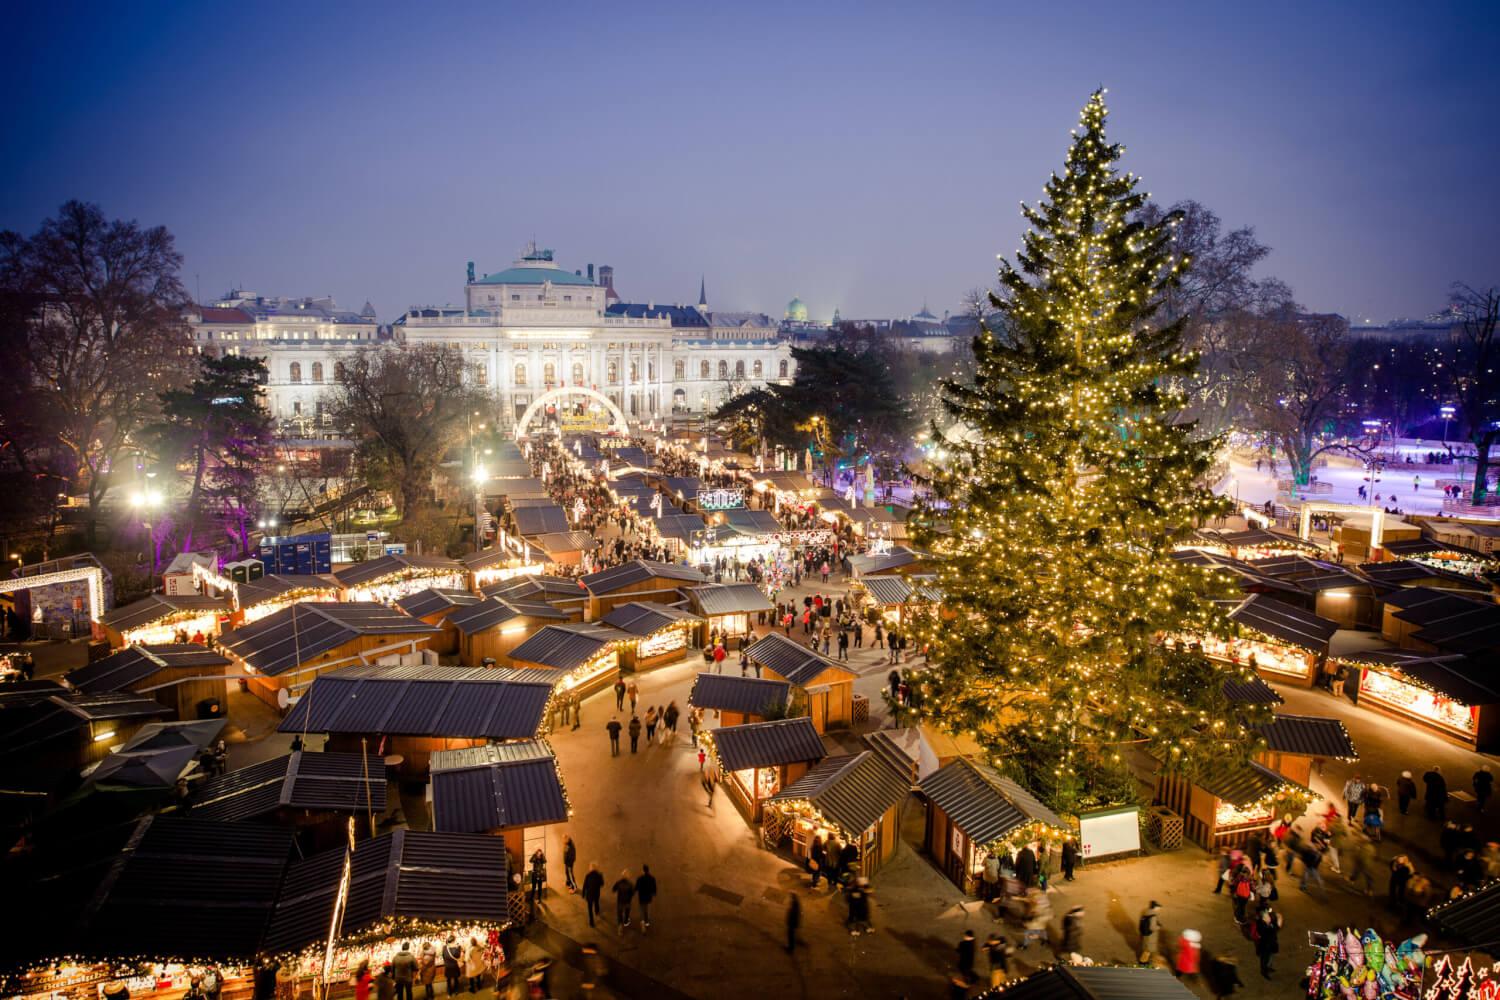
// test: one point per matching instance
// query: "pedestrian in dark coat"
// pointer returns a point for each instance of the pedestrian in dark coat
(1267, 934)
(645, 891)
(1069, 858)
(624, 891)
(1026, 867)
(1484, 786)
(593, 885)
(1436, 798)
(1406, 790)
(620, 693)
(635, 732)
(453, 958)
(793, 921)
(570, 856)
(1072, 942)
(1223, 976)
(817, 860)
(613, 727)
(967, 947)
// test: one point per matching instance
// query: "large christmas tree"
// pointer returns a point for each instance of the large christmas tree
(1064, 483)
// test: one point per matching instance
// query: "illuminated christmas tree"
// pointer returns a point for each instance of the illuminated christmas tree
(1064, 483)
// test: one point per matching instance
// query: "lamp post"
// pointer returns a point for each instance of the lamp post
(479, 478)
(145, 502)
(1447, 412)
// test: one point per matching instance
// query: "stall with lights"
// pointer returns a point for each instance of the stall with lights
(826, 688)
(786, 490)
(1441, 620)
(1454, 695)
(566, 548)
(160, 619)
(389, 578)
(435, 606)
(52, 733)
(567, 594)
(758, 760)
(895, 599)
(282, 654)
(490, 629)
(727, 608)
(313, 793)
(1283, 642)
(257, 599)
(662, 633)
(1443, 555)
(637, 580)
(66, 596)
(585, 655)
(1251, 544)
(855, 797)
(736, 700)
(508, 559)
(1227, 802)
(513, 791)
(973, 810)
(898, 557)
(185, 677)
(1297, 745)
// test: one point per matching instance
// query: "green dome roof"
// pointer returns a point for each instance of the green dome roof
(796, 310)
(533, 276)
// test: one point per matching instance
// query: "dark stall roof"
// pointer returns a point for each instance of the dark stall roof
(747, 695)
(887, 589)
(1308, 736)
(401, 701)
(1239, 785)
(161, 735)
(895, 558)
(540, 520)
(495, 555)
(607, 581)
(679, 526)
(752, 522)
(851, 790)
(159, 606)
(982, 802)
(1259, 536)
(1476, 630)
(29, 725)
(275, 586)
(1473, 918)
(491, 612)
(786, 482)
(1293, 567)
(1438, 601)
(155, 768)
(566, 541)
(729, 598)
(520, 791)
(333, 782)
(559, 589)
(1254, 691)
(134, 664)
(644, 618)
(418, 875)
(376, 569)
(1098, 982)
(434, 600)
(185, 886)
(767, 744)
(563, 647)
(686, 487)
(290, 637)
(1396, 573)
(1284, 622)
(791, 660)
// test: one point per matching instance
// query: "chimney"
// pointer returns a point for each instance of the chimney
(591, 274)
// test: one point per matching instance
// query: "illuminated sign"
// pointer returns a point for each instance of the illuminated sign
(721, 499)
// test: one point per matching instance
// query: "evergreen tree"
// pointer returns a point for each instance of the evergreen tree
(1063, 487)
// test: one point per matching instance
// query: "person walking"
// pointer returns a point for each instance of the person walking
(967, 949)
(1072, 942)
(634, 693)
(1069, 858)
(1223, 976)
(669, 719)
(817, 859)
(404, 971)
(385, 983)
(593, 885)
(1149, 927)
(1401, 873)
(635, 732)
(1267, 932)
(645, 892)
(1406, 790)
(620, 693)
(710, 783)
(694, 720)
(577, 707)
(651, 725)
(453, 957)
(879, 636)
(624, 890)
(997, 951)
(843, 645)
(570, 857)
(1484, 786)
(859, 907)
(475, 965)
(1354, 796)
(1436, 798)
(1026, 867)
(427, 963)
(793, 921)
(1312, 858)
(613, 727)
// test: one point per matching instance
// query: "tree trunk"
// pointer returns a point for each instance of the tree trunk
(1482, 465)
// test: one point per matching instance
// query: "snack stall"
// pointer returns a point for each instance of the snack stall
(1297, 745)
(259, 598)
(855, 797)
(972, 809)
(756, 761)
(662, 633)
(1228, 802)
(160, 619)
(587, 655)
(726, 607)
(390, 578)
(1453, 695)
(1281, 641)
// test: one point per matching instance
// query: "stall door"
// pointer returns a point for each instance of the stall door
(817, 708)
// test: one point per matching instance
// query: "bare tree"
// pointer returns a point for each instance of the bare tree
(1298, 384)
(101, 333)
(1470, 371)
(410, 403)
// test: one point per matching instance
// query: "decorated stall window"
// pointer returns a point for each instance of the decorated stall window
(1398, 693)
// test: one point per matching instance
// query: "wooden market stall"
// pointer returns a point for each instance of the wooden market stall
(1434, 620)
(285, 651)
(564, 593)
(736, 701)
(434, 606)
(757, 760)
(1461, 560)
(1297, 745)
(389, 578)
(185, 677)
(508, 790)
(901, 558)
(726, 607)
(490, 629)
(972, 809)
(256, 599)
(566, 548)
(1286, 643)
(920, 750)
(586, 656)
(313, 793)
(499, 563)
(1454, 695)
(160, 618)
(895, 599)
(57, 733)
(827, 687)
(854, 796)
(637, 580)
(662, 634)
(410, 712)
(1226, 803)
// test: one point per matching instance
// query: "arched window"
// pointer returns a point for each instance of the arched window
(295, 372)
(635, 373)
(650, 371)
(520, 373)
(739, 369)
(783, 369)
(317, 371)
(481, 376)
(723, 369)
(549, 373)
(756, 369)
(703, 369)
(578, 374)
(338, 371)
(679, 370)
(613, 373)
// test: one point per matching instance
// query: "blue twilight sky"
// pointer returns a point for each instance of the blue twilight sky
(864, 156)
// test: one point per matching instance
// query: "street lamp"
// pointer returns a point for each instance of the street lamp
(480, 475)
(146, 501)
(1447, 412)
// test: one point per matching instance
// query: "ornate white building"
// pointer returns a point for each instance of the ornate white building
(536, 326)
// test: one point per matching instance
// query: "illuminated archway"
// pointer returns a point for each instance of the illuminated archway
(617, 417)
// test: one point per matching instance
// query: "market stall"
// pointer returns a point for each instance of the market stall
(185, 677)
(390, 578)
(973, 810)
(726, 608)
(856, 797)
(162, 619)
(662, 633)
(1453, 695)
(1226, 803)
(1283, 642)
(587, 656)
(490, 629)
(507, 790)
(315, 793)
(895, 599)
(434, 606)
(564, 593)
(1442, 555)
(756, 761)
(258, 598)
(505, 560)
(637, 580)
(827, 687)
(736, 700)
(1297, 745)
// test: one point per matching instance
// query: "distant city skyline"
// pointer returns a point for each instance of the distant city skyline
(864, 159)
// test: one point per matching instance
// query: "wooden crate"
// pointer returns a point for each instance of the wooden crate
(1164, 828)
(859, 710)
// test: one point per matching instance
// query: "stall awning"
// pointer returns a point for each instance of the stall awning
(768, 744)
(275, 587)
(1098, 982)
(729, 598)
(489, 787)
(292, 636)
(1308, 736)
(434, 600)
(1286, 623)
(566, 647)
(851, 790)
(745, 695)
(983, 803)
(334, 782)
(491, 612)
(752, 522)
(134, 664)
(540, 520)
(1254, 691)
(887, 589)
(158, 606)
(557, 542)
(607, 581)
(457, 703)
(1239, 784)
(791, 660)
(678, 526)
(895, 558)
(1473, 918)
(377, 569)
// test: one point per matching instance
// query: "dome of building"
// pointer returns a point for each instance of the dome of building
(796, 310)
